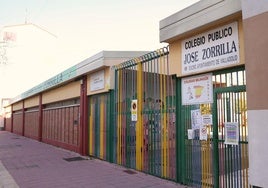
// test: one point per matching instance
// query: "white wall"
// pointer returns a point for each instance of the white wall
(258, 150)
(252, 8)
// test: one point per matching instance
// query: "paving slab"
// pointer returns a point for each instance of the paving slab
(27, 163)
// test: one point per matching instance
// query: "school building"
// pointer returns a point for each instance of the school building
(194, 112)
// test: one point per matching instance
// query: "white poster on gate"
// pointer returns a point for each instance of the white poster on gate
(203, 133)
(196, 119)
(210, 50)
(134, 107)
(231, 133)
(197, 89)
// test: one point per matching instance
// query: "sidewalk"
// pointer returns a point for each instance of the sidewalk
(28, 163)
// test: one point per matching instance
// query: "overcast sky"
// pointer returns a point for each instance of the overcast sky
(86, 27)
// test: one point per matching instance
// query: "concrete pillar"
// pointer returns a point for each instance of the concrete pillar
(255, 16)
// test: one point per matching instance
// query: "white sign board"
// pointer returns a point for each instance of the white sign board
(190, 134)
(197, 89)
(207, 119)
(231, 133)
(134, 116)
(196, 119)
(210, 50)
(203, 133)
(97, 81)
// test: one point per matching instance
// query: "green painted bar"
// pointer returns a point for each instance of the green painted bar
(106, 125)
(180, 142)
(111, 141)
(215, 143)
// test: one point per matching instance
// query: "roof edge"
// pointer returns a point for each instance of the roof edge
(196, 16)
(86, 66)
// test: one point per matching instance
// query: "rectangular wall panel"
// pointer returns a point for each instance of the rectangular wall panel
(61, 127)
(31, 124)
(17, 122)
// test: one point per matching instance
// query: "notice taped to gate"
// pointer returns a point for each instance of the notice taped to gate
(134, 110)
(197, 89)
(231, 133)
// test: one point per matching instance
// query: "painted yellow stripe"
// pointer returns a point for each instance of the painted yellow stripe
(139, 124)
(165, 119)
(101, 127)
(206, 156)
(244, 128)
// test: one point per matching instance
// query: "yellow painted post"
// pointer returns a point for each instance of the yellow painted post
(139, 124)
(244, 154)
(101, 127)
(165, 116)
(206, 152)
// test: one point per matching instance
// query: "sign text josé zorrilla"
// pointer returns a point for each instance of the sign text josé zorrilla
(215, 48)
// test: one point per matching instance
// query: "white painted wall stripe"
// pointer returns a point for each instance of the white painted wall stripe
(258, 132)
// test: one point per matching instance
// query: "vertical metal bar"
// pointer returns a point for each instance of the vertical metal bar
(134, 96)
(215, 143)
(91, 129)
(159, 125)
(145, 113)
(155, 117)
(164, 105)
(113, 112)
(139, 128)
(106, 128)
(124, 119)
(114, 115)
(150, 119)
(102, 117)
(180, 140)
(119, 118)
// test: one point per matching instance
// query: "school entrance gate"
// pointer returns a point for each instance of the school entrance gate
(145, 131)
(99, 126)
(214, 146)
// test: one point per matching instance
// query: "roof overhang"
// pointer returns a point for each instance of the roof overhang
(89, 65)
(196, 16)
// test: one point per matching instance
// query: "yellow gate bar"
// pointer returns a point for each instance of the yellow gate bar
(139, 125)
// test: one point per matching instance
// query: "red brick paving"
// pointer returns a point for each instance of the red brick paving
(33, 164)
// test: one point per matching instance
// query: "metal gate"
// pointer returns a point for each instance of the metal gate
(216, 162)
(99, 116)
(147, 143)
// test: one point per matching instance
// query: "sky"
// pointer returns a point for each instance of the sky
(86, 27)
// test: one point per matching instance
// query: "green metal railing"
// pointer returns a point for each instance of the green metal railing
(147, 144)
(214, 163)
